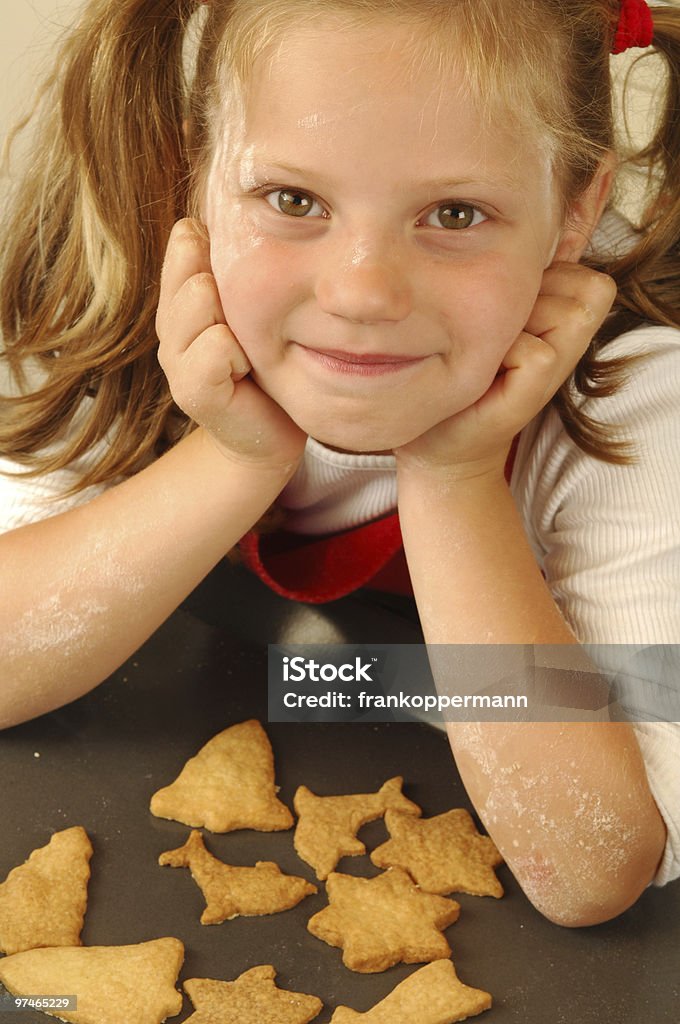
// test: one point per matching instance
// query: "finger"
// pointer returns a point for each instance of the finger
(207, 372)
(537, 359)
(193, 309)
(558, 312)
(216, 356)
(525, 386)
(593, 289)
(187, 254)
(533, 373)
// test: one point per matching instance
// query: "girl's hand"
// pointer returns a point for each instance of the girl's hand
(206, 367)
(570, 308)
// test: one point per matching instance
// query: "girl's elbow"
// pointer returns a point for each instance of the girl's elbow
(586, 908)
(581, 893)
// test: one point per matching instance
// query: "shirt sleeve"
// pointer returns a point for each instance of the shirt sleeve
(25, 499)
(660, 746)
(608, 536)
(28, 499)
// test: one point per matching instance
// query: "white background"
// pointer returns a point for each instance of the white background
(27, 41)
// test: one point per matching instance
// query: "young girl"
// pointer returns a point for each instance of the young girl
(380, 285)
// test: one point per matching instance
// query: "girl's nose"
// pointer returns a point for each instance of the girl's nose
(369, 290)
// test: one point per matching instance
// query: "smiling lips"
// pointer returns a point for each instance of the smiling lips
(365, 364)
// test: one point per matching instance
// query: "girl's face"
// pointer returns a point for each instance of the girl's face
(377, 246)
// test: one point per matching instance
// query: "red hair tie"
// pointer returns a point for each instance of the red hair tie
(635, 27)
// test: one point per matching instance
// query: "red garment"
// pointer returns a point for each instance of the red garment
(320, 569)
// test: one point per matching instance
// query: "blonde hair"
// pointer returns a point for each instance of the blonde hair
(112, 170)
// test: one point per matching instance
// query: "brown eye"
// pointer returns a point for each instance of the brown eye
(455, 216)
(293, 204)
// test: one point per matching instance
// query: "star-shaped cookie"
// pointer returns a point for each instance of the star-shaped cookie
(252, 999)
(327, 825)
(432, 995)
(381, 921)
(236, 891)
(442, 854)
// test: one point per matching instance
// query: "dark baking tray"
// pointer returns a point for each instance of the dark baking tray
(97, 762)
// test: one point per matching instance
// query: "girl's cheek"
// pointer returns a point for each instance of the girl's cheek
(491, 306)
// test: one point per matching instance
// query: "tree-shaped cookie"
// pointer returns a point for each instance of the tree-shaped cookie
(229, 784)
(443, 854)
(327, 825)
(381, 921)
(113, 984)
(236, 891)
(252, 999)
(432, 995)
(43, 902)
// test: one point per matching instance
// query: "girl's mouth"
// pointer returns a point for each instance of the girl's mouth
(363, 364)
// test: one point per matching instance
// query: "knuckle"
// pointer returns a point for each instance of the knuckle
(543, 356)
(215, 339)
(187, 232)
(182, 395)
(221, 349)
(201, 283)
(225, 338)
(611, 287)
(602, 287)
(582, 314)
(186, 247)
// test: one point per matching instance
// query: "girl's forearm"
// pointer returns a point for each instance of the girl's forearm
(84, 589)
(568, 804)
(475, 578)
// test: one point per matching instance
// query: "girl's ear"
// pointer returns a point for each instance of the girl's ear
(584, 215)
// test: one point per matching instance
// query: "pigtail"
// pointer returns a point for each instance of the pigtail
(648, 276)
(84, 241)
